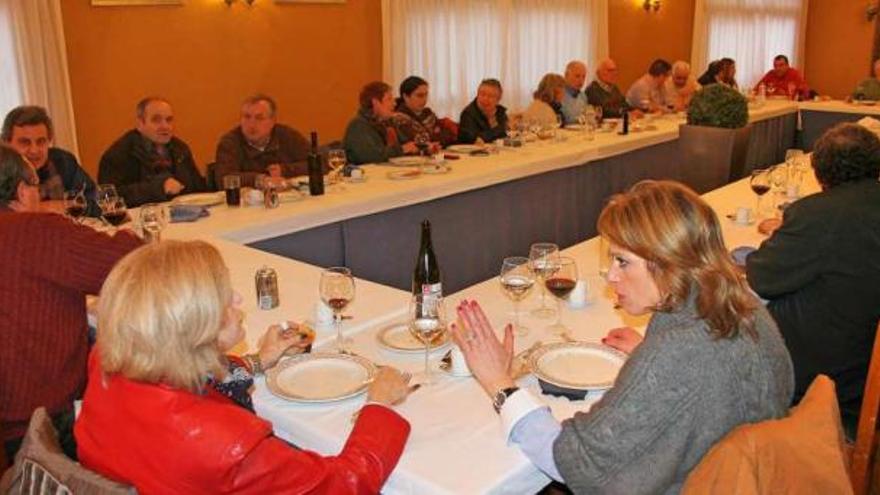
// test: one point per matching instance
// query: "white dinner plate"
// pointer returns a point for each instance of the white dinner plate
(577, 365)
(574, 127)
(407, 161)
(200, 199)
(464, 148)
(397, 337)
(290, 196)
(320, 377)
(405, 174)
(436, 169)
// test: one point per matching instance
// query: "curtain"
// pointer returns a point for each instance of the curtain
(454, 44)
(751, 32)
(34, 63)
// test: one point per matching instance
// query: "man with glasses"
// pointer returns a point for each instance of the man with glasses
(260, 145)
(48, 265)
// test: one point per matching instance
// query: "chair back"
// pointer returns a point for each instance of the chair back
(864, 455)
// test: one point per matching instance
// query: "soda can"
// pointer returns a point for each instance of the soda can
(267, 288)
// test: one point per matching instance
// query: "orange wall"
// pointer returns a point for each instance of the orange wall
(636, 37)
(206, 57)
(839, 39)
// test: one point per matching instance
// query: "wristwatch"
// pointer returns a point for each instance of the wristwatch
(501, 396)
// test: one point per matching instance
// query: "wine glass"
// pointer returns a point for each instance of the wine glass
(423, 142)
(542, 256)
(427, 322)
(105, 193)
(75, 204)
(337, 291)
(337, 160)
(152, 218)
(560, 284)
(114, 211)
(760, 183)
(517, 280)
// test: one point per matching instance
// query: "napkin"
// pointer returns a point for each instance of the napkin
(871, 124)
(187, 213)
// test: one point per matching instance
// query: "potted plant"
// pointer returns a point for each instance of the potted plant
(714, 142)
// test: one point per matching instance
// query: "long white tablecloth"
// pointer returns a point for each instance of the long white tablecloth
(456, 444)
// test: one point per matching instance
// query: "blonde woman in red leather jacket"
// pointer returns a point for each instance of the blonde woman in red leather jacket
(152, 417)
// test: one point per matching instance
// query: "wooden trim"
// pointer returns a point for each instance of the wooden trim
(863, 457)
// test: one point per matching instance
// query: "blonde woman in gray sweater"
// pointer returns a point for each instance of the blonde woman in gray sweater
(711, 359)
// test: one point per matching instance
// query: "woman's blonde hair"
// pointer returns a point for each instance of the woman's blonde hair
(547, 87)
(160, 313)
(678, 234)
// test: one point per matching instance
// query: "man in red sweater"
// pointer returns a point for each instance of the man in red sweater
(784, 80)
(48, 264)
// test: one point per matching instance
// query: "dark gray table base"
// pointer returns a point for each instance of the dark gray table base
(474, 230)
(815, 124)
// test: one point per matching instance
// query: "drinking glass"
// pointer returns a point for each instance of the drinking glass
(114, 211)
(560, 284)
(337, 291)
(760, 183)
(105, 193)
(542, 256)
(422, 143)
(153, 218)
(517, 280)
(427, 322)
(336, 159)
(604, 257)
(232, 186)
(75, 204)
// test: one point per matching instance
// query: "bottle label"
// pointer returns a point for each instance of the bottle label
(435, 290)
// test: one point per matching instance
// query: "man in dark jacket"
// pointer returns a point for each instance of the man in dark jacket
(29, 131)
(820, 270)
(149, 164)
(484, 118)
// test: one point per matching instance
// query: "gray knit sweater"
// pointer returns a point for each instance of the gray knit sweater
(678, 394)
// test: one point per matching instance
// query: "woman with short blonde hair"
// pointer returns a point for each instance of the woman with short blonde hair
(163, 409)
(711, 358)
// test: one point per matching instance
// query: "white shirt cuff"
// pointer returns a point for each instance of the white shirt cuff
(516, 407)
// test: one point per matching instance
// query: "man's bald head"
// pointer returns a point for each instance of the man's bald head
(575, 74)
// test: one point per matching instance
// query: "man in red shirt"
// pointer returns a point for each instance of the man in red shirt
(784, 80)
(48, 264)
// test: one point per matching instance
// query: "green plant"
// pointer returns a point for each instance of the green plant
(717, 105)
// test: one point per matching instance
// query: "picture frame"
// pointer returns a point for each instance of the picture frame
(122, 3)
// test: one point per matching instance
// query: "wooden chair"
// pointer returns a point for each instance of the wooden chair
(864, 454)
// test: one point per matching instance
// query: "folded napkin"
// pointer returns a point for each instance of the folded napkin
(187, 213)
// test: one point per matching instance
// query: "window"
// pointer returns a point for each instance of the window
(10, 92)
(454, 44)
(751, 32)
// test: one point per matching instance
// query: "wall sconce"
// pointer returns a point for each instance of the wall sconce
(872, 10)
(230, 2)
(650, 5)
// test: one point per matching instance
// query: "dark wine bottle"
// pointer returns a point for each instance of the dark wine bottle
(625, 129)
(426, 277)
(316, 169)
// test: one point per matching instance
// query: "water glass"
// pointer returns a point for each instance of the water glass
(427, 323)
(517, 280)
(152, 218)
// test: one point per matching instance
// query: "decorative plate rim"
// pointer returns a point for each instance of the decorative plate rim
(278, 391)
(544, 350)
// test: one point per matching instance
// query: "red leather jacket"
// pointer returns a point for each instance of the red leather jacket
(168, 441)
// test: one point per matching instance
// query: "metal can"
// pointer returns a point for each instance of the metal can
(267, 288)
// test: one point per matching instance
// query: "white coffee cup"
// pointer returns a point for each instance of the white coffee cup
(323, 314)
(458, 366)
(743, 215)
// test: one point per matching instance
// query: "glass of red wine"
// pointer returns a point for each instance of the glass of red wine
(75, 204)
(114, 211)
(337, 291)
(560, 284)
(760, 183)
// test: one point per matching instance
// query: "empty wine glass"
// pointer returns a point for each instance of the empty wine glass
(560, 284)
(337, 291)
(152, 218)
(517, 280)
(542, 256)
(427, 322)
(75, 204)
(760, 183)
